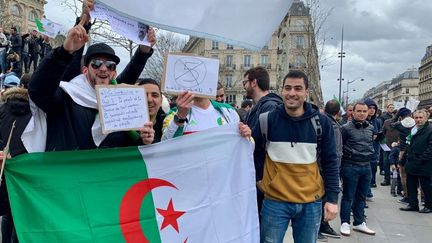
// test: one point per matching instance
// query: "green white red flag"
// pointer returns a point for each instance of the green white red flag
(196, 188)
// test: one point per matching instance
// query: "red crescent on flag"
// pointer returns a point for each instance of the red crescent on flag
(130, 209)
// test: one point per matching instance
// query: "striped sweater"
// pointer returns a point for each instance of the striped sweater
(291, 171)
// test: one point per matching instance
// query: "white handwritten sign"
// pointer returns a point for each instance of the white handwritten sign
(122, 107)
(196, 74)
(133, 30)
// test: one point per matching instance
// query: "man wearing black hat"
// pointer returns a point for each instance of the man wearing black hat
(71, 109)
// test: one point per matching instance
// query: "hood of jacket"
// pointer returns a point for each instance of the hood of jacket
(16, 101)
(310, 110)
(269, 97)
(371, 102)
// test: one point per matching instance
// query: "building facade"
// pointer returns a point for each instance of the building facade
(21, 14)
(400, 89)
(425, 79)
(291, 47)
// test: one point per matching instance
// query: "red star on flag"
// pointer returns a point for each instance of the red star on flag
(170, 216)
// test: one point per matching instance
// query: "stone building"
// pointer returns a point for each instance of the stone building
(291, 47)
(400, 89)
(425, 79)
(21, 14)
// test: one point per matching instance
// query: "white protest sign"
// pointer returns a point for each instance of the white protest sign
(122, 107)
(412, 104)
(129, 28)
(246, 23)
(196, 74)
(398, 104)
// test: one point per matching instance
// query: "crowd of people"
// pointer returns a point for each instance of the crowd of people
(21, 53)
(304, 158)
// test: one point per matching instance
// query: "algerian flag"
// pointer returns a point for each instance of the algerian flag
(196, 188)
(340, 104)
(48, 27)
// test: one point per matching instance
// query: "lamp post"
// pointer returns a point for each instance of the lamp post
(348, 83)
(341, 56)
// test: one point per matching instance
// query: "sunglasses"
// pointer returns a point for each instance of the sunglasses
(245, 81)
(96, 64)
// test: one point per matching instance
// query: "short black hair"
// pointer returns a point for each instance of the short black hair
(25, 79)
(332, 107)
(261, 75)
(358, 103)
(142, 81)
(246, 103)
(297, 74)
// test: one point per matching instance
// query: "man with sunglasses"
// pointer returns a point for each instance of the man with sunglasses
(71, 109)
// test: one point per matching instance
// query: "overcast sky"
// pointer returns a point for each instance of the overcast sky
(382, 39)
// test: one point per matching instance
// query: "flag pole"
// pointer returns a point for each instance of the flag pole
(6, 152)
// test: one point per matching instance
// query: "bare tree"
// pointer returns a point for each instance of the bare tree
(102, 32)
(167, 42)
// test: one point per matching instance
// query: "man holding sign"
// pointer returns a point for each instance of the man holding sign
(71, 107)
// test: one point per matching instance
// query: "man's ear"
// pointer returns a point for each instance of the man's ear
(85, 70)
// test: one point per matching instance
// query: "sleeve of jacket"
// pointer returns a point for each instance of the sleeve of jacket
(394, 156)
(259, 152)
(134, 68)
(426, 155)
(44, 87)
(169, 128)
(329, 163)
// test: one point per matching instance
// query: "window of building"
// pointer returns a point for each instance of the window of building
(407, 91)
(230, 47)
(228, 80)
(247, 60)
(299, 42)
(264, 59)
(229, 60)
(15, 10)
(231, 99)
(299, 60)
(32, 15)
(215, 45)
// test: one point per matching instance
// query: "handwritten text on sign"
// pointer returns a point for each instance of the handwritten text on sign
(122, 107)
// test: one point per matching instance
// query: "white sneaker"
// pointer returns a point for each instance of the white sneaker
(345, 229)
(363, 229)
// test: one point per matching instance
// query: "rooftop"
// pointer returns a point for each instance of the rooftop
(298, 9)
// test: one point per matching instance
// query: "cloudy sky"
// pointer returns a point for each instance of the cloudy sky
(382, 39)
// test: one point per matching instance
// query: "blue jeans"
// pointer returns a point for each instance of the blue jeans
(356, 183)
(276, 215)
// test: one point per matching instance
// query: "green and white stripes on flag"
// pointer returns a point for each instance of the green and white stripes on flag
(340, 104)
(48, 27)
(196, 188)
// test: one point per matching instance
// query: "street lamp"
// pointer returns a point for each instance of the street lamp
(341, 56)
(348, 83)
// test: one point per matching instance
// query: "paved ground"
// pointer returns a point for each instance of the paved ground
(391, 224)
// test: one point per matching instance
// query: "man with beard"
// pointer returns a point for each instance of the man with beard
(294, 182)
(71, 107)
(257, 84)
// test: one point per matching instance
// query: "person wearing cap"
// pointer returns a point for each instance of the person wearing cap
(71, 107)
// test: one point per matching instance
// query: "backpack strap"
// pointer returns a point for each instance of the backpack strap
(263, 122)
(316, 123)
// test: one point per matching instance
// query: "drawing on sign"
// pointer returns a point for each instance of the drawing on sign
(189, 72)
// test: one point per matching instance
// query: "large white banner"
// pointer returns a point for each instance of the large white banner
(247, 23)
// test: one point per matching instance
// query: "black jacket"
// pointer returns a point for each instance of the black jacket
(357, 143)
(16, 108)
(419, 152)
(265, 104)
(15, 41)
(69, 124)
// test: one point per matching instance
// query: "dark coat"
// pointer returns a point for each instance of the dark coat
(391, 134)
(69, 124)
(357, 144)
(419, 152)
(16, 108)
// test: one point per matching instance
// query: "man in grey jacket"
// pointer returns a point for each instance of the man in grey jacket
(355, 169)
